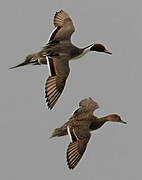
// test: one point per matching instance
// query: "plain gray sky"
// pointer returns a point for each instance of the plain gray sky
(114, 151)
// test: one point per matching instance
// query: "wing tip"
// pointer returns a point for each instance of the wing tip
(48, 103)
(68, 163)
(53, 89)
(71, 165)
(72, 156)
(49, 107)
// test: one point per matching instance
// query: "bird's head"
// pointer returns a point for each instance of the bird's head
(115, 118)
(99, 48)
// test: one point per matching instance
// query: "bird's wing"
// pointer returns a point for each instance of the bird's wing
(85, 106)
(59, 71)
(64, 27)
(79, 139)
(88, 104)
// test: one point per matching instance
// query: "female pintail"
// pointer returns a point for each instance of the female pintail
(78, 128)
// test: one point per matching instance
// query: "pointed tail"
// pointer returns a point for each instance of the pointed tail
(59, 132)
(30, 59)
(19, 65)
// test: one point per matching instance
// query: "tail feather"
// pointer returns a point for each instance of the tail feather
(19, 65)
(30, 59)
(59, 132)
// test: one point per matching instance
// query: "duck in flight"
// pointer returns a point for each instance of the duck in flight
(78, 128)
(57, 53)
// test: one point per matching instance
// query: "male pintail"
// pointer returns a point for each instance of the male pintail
(57, 53)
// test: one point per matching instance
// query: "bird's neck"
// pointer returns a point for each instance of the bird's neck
(85, 50)
(97, 123)
(82, 51)
(105, 118)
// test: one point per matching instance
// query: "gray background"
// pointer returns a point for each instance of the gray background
(114, 151)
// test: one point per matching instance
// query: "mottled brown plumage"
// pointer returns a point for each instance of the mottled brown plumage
(57, 53)
(78, 128)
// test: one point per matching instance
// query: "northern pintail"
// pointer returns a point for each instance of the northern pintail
(78, 128)
(57, 53)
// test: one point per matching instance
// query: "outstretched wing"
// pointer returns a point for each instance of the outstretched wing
(89, 104)
(79, 139)
(85, 106)
(59, 71)
(64, 27)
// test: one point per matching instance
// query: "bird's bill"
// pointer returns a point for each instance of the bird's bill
(106, 51)
(124, 122)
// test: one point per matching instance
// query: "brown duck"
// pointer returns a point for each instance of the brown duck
(57, 53)
(78, 128)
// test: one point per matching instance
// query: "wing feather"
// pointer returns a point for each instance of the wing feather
(77, 148)
(56, 81)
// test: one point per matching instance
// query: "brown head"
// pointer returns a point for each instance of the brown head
(115, 118)
(99, 48)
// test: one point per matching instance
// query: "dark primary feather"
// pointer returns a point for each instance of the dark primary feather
(53, 89)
